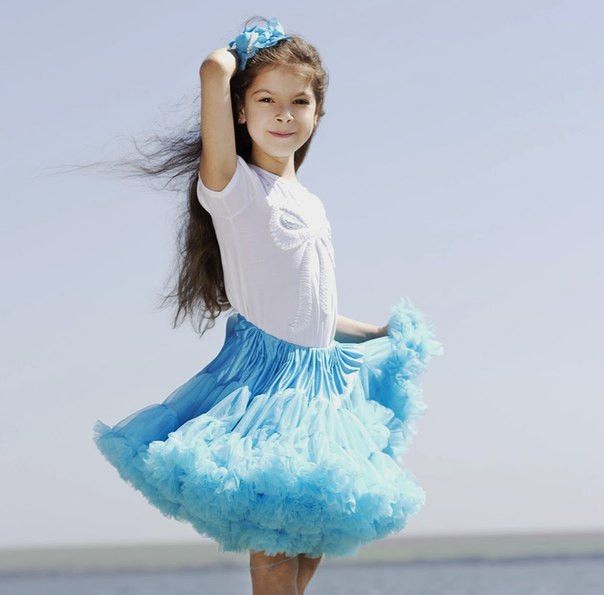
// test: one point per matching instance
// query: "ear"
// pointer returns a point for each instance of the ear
(241, 118)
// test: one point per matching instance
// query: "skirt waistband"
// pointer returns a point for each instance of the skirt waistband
(278, 364)
(238, 321)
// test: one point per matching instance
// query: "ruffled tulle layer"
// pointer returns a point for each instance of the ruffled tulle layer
(285, 448)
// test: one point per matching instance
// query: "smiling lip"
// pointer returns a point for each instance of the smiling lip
(281, 134)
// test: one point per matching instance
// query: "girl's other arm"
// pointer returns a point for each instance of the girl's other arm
(354, 331)
(219, 153)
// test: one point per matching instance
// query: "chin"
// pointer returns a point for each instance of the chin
(277, 153)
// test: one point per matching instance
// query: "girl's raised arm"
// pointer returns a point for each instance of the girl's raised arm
(219, 154)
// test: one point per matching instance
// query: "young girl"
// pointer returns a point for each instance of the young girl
(288, 443)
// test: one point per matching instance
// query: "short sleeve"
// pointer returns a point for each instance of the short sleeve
(234, 197)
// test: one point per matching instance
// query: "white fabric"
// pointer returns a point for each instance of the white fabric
(277, 254)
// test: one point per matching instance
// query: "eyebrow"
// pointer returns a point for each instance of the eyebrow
(305, 93)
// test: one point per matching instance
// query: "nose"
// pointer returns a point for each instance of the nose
(284, 116)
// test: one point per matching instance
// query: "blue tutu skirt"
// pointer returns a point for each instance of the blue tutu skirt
(285, 448)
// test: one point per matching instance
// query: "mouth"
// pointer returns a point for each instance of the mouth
(281, 134)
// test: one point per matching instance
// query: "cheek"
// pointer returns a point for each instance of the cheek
(257, 123)
(257, 117)
(309, 120)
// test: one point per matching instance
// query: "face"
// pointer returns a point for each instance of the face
(280, 99)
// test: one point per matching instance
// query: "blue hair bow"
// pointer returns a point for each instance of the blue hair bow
(255, 37)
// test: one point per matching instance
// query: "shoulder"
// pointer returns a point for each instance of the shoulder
(240, 192)
(318, 202)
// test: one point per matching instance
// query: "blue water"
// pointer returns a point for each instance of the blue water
(578, 576)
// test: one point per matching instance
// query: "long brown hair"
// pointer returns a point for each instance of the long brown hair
(199, 289)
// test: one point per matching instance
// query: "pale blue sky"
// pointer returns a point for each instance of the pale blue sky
(460, 163)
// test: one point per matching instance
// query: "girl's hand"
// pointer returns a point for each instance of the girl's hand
(382, 331)
(225, 58)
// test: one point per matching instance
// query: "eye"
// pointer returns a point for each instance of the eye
(304, 101)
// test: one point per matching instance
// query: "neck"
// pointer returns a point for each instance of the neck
(283, 168)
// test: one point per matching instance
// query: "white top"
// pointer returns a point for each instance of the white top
(277, 255)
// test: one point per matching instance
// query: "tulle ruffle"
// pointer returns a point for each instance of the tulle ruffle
(284, 448)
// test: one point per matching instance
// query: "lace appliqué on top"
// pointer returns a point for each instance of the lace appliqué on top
(301, 224)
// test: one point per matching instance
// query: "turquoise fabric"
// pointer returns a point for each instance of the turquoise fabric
(254, 37)
(285, 448)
